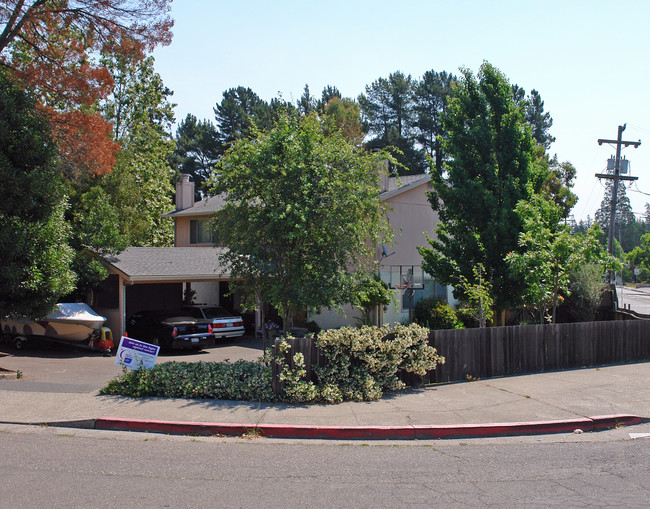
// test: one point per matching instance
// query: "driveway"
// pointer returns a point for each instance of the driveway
(47, 367)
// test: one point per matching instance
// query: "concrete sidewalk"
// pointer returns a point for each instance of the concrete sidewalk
(547, 402)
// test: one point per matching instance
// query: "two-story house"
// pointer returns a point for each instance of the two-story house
(165, 277)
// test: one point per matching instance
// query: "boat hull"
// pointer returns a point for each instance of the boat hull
(75, 332)
(69, 322)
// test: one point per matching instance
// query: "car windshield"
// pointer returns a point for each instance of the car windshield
(216, 312)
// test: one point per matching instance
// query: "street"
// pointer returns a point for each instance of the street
(48, 467)
(636, 299)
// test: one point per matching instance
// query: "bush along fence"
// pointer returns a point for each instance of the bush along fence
(469, 353)
(356, 364)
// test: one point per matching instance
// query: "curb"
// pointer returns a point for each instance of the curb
(596, 423)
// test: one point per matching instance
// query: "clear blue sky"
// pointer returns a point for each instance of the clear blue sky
(589, 60)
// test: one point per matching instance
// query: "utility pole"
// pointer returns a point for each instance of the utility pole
(616, 177)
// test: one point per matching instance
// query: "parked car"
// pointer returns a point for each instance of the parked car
(169, 329)
(224, 324)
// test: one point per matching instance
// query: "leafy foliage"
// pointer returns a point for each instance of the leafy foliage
(436, 314)
(240, 380)
(490, 170)
(361, 364)
(343, 115)
(301, 208)
(52, 47)
(558, 185)
(586, 290)
(478, 296)
(550, 253)
(34, 254)
(140, 186)
(369, 293)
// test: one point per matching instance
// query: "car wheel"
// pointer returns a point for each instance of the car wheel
(155, 342)
(19, 342)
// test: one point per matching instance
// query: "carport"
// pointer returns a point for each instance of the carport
(155, 278)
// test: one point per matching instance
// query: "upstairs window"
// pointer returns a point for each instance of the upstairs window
(201, 231)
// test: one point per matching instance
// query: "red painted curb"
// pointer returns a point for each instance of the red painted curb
(369, 432)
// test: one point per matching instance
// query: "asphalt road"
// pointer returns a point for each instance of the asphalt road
(45, 467)
(636, 299)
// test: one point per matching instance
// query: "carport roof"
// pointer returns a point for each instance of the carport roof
(168, 264)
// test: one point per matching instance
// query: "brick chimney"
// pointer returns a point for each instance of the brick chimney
(184, 193)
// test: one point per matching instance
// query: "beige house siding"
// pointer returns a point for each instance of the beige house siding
(411, 217)
(182, 232)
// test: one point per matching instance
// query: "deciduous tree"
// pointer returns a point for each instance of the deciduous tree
(344, 115)
(302, 211)
(34, 254)
(550, 253)
(52, 47)
(490, 170)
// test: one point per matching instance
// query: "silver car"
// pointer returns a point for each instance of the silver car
(224, 324)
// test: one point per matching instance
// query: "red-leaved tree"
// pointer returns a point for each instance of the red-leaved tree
(53, 48)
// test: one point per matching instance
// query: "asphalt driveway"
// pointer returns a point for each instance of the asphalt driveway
(48, 367)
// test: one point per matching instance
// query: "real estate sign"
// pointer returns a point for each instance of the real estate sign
(135, 354)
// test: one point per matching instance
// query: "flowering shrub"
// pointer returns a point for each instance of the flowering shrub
(240, 380)
(360, 364)
(272, 329)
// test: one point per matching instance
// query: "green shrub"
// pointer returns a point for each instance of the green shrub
(241, 380)
(361, 363)
(436, 314)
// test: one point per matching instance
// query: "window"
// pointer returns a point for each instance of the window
(201, 231)
(431, 289)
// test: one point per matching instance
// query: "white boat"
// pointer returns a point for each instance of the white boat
(70, 322)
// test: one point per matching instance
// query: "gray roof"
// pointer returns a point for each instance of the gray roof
(169, 264)
(212, 204)
(397, 185)
(206, 206)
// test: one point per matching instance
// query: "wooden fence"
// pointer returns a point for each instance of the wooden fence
(500, 351)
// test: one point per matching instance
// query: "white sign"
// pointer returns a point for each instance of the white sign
(637, 272)
(135, 354)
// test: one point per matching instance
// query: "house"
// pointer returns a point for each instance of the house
(164, 277)
(412, 218)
